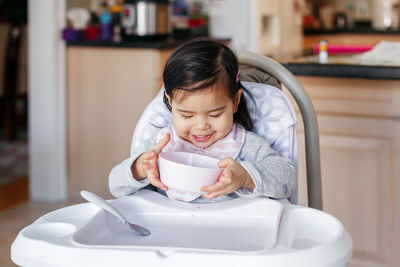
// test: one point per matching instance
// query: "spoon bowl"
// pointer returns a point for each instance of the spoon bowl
(102, 203)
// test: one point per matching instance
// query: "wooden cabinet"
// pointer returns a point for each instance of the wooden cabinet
(107, 91)
(359, 126)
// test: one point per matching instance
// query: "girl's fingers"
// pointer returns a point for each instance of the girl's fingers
(148, 155)
(156, 182)
(150, 166)
(159, 184)
(212, 195)
(157, 148)
(146, 166)
(222, 187)
(223, 163)
(215, 187)
(150, 160)
(218, 193)
(223, 181)
(149, 163)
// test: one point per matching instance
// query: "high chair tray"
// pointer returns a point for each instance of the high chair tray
(236, 226)
(253, 232)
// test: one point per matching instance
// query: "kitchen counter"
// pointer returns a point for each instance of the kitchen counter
(343, 66)
(169, 43)
(337, 66)
(351, 31)
(156, 44)
(355, 37)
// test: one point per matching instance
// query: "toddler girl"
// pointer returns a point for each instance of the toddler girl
(209, 117)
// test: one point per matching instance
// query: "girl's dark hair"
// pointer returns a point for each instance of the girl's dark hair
(202, 63)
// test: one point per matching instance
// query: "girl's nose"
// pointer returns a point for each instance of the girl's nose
(201, 123)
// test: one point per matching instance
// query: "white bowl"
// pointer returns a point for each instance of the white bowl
(185, 173)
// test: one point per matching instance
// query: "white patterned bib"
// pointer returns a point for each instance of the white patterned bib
(229, 146)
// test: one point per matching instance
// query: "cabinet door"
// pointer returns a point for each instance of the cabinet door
(107, 91)
(360, 183)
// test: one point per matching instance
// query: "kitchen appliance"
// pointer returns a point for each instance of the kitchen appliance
(270, 27)
(145, 18)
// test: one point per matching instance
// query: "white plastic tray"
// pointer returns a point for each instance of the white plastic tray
(241, 232)
(236, 226)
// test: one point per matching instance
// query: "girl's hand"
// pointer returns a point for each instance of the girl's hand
(146, 164)
(233, 177)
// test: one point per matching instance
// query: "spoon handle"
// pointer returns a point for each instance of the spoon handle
(99, 201)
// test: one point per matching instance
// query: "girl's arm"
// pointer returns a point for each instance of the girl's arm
(258, 170)
(121, 180)
(272, 175)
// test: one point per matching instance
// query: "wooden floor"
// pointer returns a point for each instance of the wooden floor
(14, 193)
(12, 220)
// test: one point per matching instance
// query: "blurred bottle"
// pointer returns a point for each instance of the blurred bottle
(116, 9)
(198, 20)
(350, 15)
(128, 19)
(105, 20)
(180, 19)
(323, 51)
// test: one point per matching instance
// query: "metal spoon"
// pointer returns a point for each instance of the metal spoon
(102, 203)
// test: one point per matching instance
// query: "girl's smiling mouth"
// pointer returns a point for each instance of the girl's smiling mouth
(201, 138)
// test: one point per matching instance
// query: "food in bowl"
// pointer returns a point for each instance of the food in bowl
(185, 173)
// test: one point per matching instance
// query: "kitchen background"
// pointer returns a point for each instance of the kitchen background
(82, 109)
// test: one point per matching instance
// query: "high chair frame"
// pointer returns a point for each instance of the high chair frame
(312, 149)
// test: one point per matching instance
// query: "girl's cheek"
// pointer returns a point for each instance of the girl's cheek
(225, 120)
(225, 125)
(180, 125)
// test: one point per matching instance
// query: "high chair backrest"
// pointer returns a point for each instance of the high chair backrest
(273, 117)
(313, 164)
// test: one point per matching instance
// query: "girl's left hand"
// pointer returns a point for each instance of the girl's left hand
(233, 177)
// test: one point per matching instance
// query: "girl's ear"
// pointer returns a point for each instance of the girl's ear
(169, 100)
(237, 100)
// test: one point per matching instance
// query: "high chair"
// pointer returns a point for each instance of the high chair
(273, 116)
(239, 232)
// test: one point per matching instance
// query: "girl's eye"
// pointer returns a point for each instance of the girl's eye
(186, 116)
(215, 115)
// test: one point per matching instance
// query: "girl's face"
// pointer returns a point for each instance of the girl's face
(203, 117)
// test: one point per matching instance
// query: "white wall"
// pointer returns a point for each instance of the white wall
(46, 81)
(230, 19)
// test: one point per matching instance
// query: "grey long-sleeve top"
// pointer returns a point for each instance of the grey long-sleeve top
(273, 175)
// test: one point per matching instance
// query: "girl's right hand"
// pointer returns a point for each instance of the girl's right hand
(146, 164)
